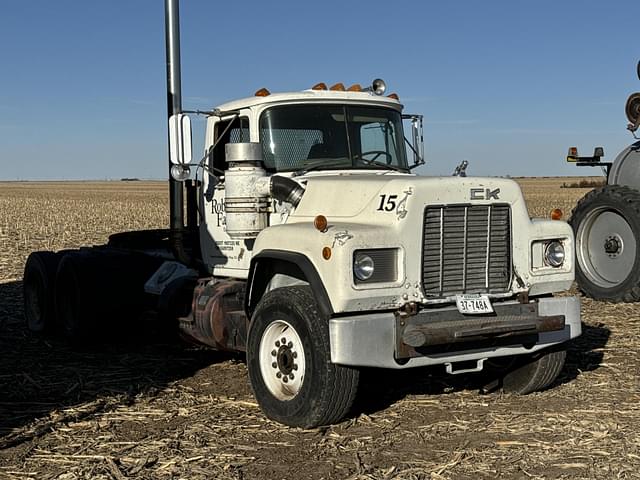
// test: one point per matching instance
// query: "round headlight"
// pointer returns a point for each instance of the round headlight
(554, 254)
(363, 267)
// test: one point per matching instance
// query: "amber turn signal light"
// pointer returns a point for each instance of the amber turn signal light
(556, 214)
(320, 222)
(572, 154)
(326, 253)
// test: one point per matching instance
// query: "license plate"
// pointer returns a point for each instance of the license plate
(473, 304)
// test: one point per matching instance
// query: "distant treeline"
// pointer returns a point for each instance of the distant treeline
(585, 183)
(129, 179)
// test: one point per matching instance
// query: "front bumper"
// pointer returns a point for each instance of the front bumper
(443, 336)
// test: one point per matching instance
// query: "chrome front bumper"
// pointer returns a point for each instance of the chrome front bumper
(381, 339)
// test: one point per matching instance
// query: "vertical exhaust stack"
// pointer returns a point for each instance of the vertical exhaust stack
(174, 106)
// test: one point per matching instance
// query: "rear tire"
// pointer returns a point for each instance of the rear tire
(100, 293)
(38, 291)
(606, 224)
(289, 360)
(72, 298)
(533, 373)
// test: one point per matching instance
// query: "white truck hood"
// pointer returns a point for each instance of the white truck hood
(353, 195)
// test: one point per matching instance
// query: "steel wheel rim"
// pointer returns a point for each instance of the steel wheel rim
(606, 247)
(282, 360)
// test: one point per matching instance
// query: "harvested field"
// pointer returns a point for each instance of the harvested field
(154, 408)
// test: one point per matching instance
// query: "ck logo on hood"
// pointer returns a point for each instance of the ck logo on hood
(484, 194)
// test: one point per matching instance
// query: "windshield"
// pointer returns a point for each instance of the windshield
(302, 137)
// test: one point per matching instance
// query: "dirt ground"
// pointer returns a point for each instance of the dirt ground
(153, 408)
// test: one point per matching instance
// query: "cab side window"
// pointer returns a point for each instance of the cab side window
(235, 130)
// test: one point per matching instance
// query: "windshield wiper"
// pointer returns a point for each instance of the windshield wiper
(386, 165)
(329, 165)
(320, 166)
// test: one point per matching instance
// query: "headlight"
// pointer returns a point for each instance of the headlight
(363, 266)
(554, 254)
(375, 265)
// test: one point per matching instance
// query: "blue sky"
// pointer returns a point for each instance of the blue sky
(507, 85)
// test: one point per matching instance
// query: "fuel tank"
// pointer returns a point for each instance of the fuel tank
(217, 317)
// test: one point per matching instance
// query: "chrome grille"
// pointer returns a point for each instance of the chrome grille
(466, 249)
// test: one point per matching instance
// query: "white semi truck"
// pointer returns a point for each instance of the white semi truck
(310, 245)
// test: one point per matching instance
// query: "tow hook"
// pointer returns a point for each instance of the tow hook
(407, 310)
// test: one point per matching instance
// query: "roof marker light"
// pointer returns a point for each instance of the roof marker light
(319, 86)
(338, 87)
(354, 88)
(263, 92)
(394, 96)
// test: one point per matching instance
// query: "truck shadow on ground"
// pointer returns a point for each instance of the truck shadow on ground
(40, 376)
(379, 389)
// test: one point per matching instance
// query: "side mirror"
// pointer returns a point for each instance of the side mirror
(180, 139)
(417, 139)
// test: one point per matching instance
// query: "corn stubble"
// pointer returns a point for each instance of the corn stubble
(55, 216)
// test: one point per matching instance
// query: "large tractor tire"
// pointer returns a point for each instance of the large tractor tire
(606, 224)
(38, 291)
(289, 362)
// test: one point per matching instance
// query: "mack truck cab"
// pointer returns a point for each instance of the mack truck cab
(351, 260)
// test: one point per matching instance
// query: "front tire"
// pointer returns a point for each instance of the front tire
(533, 373)
(289, 361)
(606, 224)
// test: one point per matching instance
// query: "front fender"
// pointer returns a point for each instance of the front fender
(270, 261)
(335, 273)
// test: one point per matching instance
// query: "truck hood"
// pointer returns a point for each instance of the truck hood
(355, 195)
